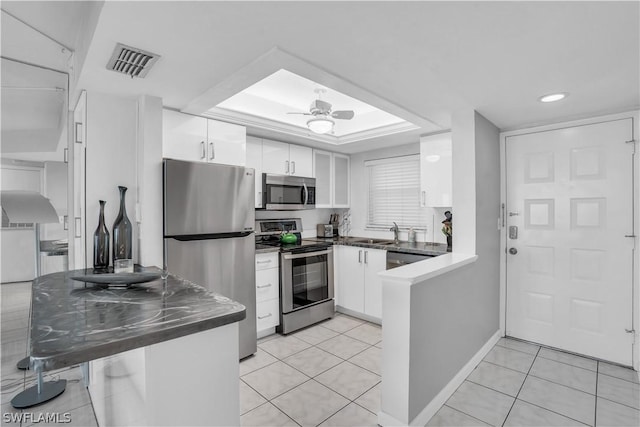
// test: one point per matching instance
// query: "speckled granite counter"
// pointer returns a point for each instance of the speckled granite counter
(75, 322)
(418, 248)
(265, 249)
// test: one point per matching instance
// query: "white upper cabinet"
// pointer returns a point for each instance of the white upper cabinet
(435, 170)
(286, 159)
(332, 179)
(193, 138)
(184, 137)
(254, 160)
(301, 160)
(324, 178)
(341, 180)
(227, 143)
(275, 157)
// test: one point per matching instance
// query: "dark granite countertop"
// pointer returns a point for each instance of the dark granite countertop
(418, 248)
(265, 249)
(75, 322)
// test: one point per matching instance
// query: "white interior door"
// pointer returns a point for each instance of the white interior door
(570, 195)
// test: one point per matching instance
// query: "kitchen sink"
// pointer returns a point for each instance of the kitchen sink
(373, 241)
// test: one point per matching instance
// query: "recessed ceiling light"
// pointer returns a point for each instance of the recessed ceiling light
(552, 97)
(432, 158)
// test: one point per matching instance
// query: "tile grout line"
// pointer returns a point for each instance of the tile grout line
(595, 409)
(536, 405)
(521, 386)
(278, 359)
(462, 412)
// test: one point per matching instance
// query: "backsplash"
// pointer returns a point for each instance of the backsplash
(309, 217)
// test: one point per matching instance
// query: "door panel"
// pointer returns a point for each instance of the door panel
(569, 193)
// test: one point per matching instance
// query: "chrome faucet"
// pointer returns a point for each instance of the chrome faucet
(395, 233)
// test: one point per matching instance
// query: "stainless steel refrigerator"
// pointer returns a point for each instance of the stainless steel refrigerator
(209, 221)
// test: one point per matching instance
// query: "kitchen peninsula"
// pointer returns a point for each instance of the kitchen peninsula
(157, 347)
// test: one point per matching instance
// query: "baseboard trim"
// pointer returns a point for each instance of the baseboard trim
(430, 410)
(359, 315)
(387, 420)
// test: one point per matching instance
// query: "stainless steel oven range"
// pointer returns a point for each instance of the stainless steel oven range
(306, 275)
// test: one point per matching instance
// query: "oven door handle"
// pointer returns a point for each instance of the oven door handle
(306, 254)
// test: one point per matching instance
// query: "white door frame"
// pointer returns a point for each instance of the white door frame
(635, 115)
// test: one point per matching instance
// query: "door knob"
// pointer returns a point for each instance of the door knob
(513, 251)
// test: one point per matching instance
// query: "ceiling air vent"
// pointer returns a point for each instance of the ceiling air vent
(131, 61)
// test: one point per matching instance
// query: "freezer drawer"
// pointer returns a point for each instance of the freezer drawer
(207, 263)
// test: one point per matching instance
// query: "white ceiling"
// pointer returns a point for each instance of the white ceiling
(282, 93)
(33, 107)
(420, 60)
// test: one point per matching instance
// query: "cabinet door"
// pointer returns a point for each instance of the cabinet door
(341, 181)
(436, 170)
(323, 175)
(275, 157)
(226, 143)
(301, 159)
(375, 261)
(351, 283)
(184, 137)
(267, 284)
(254, 160)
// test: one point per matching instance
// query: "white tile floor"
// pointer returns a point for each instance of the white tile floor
(329, 375)
(14, 316)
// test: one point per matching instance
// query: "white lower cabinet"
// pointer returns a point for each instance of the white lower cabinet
(358, 287)
(267, 293)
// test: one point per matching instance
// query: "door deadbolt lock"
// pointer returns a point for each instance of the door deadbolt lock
(513, 232)
(513, 251)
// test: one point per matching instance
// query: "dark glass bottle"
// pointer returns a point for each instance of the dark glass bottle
(101, 243)
(122, 239)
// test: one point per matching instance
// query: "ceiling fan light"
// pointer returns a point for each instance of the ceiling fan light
(320, 125)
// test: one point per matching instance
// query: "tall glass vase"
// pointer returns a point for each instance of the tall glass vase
(101, 243)
(122, 238)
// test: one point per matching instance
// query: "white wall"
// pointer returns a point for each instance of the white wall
(433, 216)
(110, 161)
(438, 325)
(150, 180)
(55, 189)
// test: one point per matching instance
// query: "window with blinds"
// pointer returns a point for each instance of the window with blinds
(394, 192)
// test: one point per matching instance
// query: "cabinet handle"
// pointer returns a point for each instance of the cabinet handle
(264, 317)
(286, 166)
(204, 151)
(264, 286)
(366, 257)
(212, 155)
(293, 167)
(424, 198)
(259, 199)
(360, 256)
(66, 222)
(263, 262)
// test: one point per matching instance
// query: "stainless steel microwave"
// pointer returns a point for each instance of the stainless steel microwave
(288, 193)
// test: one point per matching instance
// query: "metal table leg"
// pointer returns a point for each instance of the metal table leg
(39, 393)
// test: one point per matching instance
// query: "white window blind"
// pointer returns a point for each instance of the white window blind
(394, 192)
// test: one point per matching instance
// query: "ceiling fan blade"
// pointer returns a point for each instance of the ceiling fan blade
(343, 114)
(304, 114)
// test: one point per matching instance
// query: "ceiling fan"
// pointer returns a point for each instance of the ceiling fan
(322, 120)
